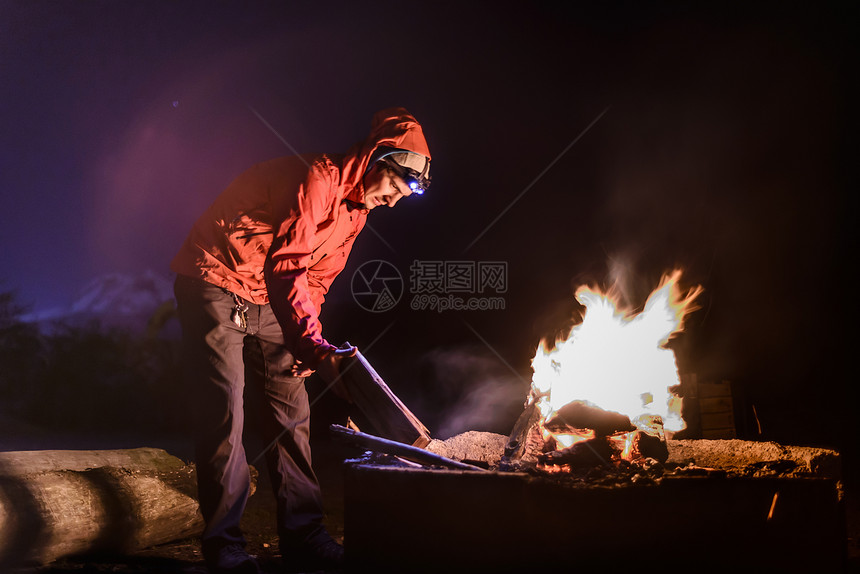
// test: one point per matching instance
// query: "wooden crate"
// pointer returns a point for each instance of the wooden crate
(716, 410)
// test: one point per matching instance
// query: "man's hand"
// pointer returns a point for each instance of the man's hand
(329, 371)
(299, 370)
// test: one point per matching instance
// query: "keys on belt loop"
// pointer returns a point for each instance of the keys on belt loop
(239, 314)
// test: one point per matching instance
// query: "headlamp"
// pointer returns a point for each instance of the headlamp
(418, 182)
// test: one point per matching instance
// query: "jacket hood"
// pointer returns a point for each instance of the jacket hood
(391, 128)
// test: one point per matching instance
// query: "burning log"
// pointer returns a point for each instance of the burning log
(586, 454)
(609, 436)
(584, 415)
(60, 503)
(650, 446)
(384, 411)
(385, 446)
(517, 441)
(650, 439)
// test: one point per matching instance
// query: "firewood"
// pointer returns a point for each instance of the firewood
(516, 445)
(650, 446)
(55, 504)
(650, 438)
(386, 413)
(584, 415)
(589, 453)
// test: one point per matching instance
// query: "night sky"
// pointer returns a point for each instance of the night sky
(575, 144)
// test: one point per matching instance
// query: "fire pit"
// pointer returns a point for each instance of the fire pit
(590, 477)
(779, 511)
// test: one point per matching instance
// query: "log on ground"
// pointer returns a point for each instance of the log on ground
(55, 504)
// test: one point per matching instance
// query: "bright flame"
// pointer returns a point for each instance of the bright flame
(618, 360)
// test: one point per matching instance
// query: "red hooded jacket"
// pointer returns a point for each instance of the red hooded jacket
(282, 231)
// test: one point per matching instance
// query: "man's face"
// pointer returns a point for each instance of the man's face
(383, 187)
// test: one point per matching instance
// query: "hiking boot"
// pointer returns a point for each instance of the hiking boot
(230, 559)
(324, 555)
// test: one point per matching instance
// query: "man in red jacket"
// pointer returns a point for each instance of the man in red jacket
(251, 278)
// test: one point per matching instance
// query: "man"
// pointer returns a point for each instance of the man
(251, 278)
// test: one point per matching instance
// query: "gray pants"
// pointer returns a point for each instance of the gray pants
(221, 359)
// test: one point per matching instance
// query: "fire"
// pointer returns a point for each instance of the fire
(617, 360)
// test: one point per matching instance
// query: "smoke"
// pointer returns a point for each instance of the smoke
(162, 159)
(177, 151)
(473, 390)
